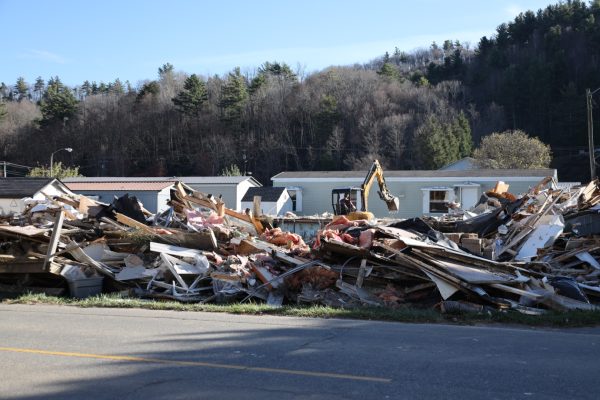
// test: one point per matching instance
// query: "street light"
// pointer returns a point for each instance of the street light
(52, 157)
(590, 121)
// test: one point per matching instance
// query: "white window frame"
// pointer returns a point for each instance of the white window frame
(449, 197)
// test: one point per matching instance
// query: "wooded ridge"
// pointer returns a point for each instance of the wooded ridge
(415, 110)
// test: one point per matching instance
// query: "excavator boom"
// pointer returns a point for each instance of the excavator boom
(392, 202)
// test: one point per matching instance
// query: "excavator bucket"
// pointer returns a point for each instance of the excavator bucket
(393, 204)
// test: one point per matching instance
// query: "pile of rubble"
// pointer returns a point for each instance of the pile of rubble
(533, 253)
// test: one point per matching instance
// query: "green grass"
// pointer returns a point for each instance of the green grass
(404, 314)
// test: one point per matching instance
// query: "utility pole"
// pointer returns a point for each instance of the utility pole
(590, 122)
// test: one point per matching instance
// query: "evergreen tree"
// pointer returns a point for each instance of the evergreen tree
(151, 88)
(193, 96)
(165, 69)
(86, 88)
(462, 131)
(21, 89)
(388, 71)
(58, 103)
(234, 94)
(437, 144)
(273, 69)
(38, 88)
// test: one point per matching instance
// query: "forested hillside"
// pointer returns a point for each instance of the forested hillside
(420, 109)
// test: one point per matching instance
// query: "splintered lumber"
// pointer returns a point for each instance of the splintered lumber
(204, 240)
(132, 223)
(58, 222)
(88, 206)
(28, 230)
(266, 277)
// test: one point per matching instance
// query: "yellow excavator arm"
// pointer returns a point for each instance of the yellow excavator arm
(392, 202)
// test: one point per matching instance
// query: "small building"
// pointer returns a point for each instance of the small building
(14, 192)
(273, 200)
(420, 192)
(153, 192)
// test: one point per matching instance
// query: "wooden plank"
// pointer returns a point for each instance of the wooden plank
(265, 276)
(53, 245)
(28, 230)
(256, 206)
(23, 266)
(514, 290)
(132, 223)
(362, 271)
(204, 240)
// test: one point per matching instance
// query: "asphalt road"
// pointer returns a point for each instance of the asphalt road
(53, 352)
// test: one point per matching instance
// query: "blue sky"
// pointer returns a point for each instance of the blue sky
(129, 39)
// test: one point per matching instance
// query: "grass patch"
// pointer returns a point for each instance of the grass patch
(405, 314)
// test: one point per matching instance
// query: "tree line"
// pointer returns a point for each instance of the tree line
(411, 110)
(274, 120)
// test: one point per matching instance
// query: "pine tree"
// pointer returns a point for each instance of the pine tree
(151, 88)
(21, 89)
(388, 71)
(38, 88)
(86, 88)
(462, 130)
(234, 94)
(58, 102)
(193, 96)
(274, 69)
(437, 144)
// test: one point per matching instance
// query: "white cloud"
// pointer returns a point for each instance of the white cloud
(43, 55)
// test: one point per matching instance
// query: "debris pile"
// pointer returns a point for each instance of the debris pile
(531, 253)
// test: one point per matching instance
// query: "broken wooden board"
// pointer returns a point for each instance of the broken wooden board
(28, 230)
(54, 239)
(203, 240)
(266, 277)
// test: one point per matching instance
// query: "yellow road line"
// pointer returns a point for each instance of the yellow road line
(196, 364)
